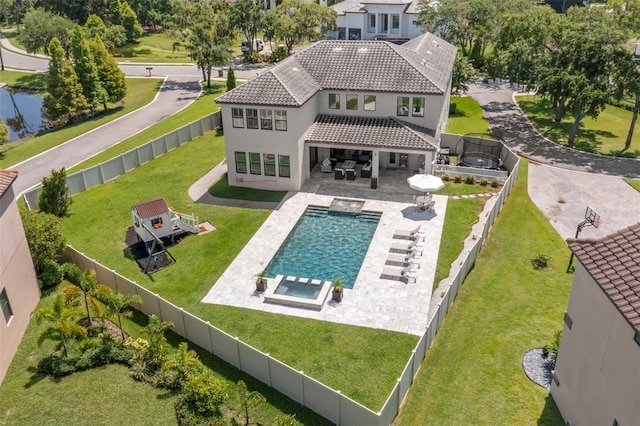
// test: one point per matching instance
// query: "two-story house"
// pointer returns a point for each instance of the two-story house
(376, 20)
(19, 291)
(597, 375)
(372, 102)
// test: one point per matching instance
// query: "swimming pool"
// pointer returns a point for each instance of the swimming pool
(326, 244)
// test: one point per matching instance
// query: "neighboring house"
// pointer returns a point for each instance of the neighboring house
(371, 101)
(393, 20)
(19, 291)
(597, 374)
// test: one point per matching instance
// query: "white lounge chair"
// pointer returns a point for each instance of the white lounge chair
(405, 247)
(413, 234)
(402, 260)
(398, 274)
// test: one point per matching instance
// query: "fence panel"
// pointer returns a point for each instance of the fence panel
(158, 147)
(286, 380)
(321, 398)
(172, 140)
(406, 378)
(254, 362)
(149, 302)
(75, 182)
(420, 352)
(145, 153)
(197, 331)
(123, 285)
(224, 346)
(170, 312)
(92, 177)
(184, 135)
(31, 197)
(391, 407)
(130, 160)
(352, 413)
(111, 169)
(105, 276)
(195, 129)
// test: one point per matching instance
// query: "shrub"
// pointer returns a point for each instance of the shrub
(231, 79)
(56, 366)
(553, 347)
(446, 177)
(470, 179)
(54, 197)
(484, 182)
(495, 183)
(457, 179)
(541, 261)
(44, 237)
(50, 275)
(201, 399)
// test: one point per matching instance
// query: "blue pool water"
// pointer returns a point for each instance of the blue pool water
(326, 244)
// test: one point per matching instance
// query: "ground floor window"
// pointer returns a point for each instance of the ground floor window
(255, 163)
(285, 168)
(6, 306)
(269, 164)
(241, 162)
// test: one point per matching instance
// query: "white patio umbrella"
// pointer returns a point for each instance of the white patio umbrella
(425, 183)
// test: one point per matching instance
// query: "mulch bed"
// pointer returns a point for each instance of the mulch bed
(138, 252)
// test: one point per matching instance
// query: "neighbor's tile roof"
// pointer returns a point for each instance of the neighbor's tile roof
(380, 132)
(422, 65)
(6, 179)
(614, 263)
(151, 208)
(351, 6)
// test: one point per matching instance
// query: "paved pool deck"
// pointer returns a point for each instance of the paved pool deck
(373, 302)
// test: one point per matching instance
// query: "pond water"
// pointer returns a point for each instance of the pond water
(21, 111)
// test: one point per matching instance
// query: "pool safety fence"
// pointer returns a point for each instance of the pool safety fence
(296, 385)
(111, 169)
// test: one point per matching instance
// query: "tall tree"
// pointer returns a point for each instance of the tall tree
(44, 237)
(64, 324)
(246, 16)
(118, 303)
(64, 97)
(628, 84)
(463, 74)
(110, 75)
(54, 196)
(85, 284)
(300, 20)
(231, 79)
(208, 50)
(40, 27)
(86, 69)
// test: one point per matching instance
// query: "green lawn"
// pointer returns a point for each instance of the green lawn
(468, 117)
(634, 183)
(155, 48)
(22, 80)
(604, 135)
(140, 92)
(223, 190)
(473, 372)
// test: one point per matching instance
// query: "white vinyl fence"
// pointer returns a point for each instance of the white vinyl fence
(327, 402)
(111, 169)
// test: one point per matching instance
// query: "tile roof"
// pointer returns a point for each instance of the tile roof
(7, 177)
(151, 208)
(422, 65)
(614, 263)
(380, 132)
(351, 6)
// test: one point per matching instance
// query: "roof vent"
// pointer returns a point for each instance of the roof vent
(363, 50)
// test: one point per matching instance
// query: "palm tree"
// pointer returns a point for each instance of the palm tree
(64, 325)
(85, 283)
(117, 303)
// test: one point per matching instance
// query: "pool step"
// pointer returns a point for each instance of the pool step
(369, 216)
(319, 211)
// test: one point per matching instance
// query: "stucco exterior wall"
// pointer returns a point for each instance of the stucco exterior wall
(17, 278)
(598, 365)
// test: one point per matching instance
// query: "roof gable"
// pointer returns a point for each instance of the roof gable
(422, 66)
(614, 263)
(151, 208)
(7, 177)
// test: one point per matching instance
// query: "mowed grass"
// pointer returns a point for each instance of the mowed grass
(22, 80)
(468, 117)
(156, 47)
(369, 360)
(635, 183)
(604, 135)
(473, 372)
(140, 92)
(223, 190)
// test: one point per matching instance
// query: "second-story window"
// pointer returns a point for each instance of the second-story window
(403, 106)
(334, 101)
(372, 23)
(252, 118)
(352, 102)
(238, 117)
(369, 102)
(266, 119)
(281, 119)
(418, 107)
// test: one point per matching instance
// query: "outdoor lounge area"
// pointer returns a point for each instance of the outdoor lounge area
(376, 300)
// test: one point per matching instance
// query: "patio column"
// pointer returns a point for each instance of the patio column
(375, 164)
